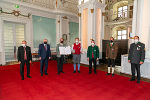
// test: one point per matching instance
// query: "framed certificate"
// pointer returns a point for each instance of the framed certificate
(65, 50)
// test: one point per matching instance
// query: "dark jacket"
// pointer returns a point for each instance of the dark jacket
(111, 51)
(136, 53)
(20, 54)
(44, 53)
(95, 51)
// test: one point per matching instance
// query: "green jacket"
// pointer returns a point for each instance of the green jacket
(95, 50)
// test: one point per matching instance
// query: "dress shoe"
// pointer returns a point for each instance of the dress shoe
(90, 72)
(108, 74)
(62, 72)
(29, 76)
(138, 81)
(131, 79)
(74, 71)
(78, 71)
(22, 78)
(41, 74)
(46, 73)
(95, 72)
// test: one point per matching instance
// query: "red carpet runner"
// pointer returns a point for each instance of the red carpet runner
(68, 86)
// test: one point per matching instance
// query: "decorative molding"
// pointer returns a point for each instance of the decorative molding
(15, 13)
(79, 14)
(103, 13)
(65, 17)
(50, 9)
(92, 10)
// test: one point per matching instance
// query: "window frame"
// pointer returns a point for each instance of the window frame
(122, 34)
(121, 12)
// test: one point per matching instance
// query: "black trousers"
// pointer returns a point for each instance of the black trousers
(137, 68)
(111, 62)
(22, 68)
(60, 61)
(90, 64)
(42, 62)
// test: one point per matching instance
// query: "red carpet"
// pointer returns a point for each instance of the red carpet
(68, 86)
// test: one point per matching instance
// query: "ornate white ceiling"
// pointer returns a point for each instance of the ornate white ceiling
(67, 5)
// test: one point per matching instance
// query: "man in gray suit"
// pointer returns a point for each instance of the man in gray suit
(136, 57)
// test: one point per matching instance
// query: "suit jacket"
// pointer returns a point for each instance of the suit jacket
(44, 54)
(20, 54)
(111, 51)
(95, 51)
(136, 53)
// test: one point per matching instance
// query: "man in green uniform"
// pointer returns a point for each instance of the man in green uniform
(92, 56)
(136, 57)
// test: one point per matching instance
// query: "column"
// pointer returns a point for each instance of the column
(90, 25)
(2, 53)
(140, 25)
(58, 28)
(95, 24)
(80, 24)
(65, 29)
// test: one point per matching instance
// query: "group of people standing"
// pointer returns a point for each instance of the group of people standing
(136, 56)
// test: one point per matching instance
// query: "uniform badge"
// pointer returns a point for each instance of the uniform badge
(138, 47)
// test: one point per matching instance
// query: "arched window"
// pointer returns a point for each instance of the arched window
(122, 11)
(121, 34)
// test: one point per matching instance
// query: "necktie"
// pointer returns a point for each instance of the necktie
(92, 53)
(25, 55)
(45, 47)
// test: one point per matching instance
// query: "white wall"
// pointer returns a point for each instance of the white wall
(141, 24)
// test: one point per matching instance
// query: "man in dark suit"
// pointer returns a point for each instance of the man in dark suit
(24, 56)
(92, 56)
(136, 57)
(45, 55)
